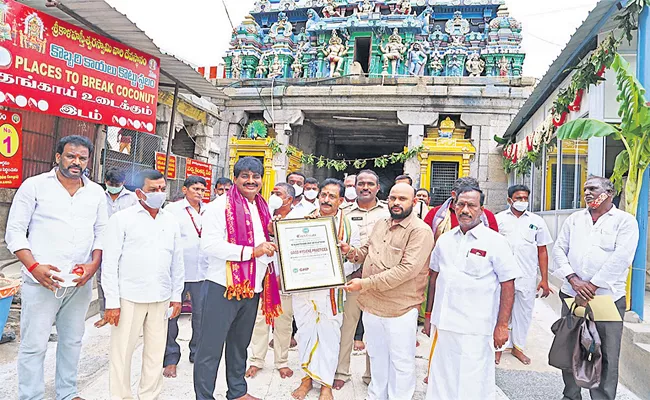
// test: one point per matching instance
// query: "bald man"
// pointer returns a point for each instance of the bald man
(395, 261)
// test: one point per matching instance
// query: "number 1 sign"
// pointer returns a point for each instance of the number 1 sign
(11, 149)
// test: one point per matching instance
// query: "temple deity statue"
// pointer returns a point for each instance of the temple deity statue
(436, 65)
(276, 68)
(457, 28)
(334, 53)
(504, 66)
(365, 8)
(330, 10)
(403, 7)
(296, 68)
(235, 66)
(260, 70)
(417, 59)
(32, 36)
(475, 65)
(455, 67)
(393, 52)
(282, 27)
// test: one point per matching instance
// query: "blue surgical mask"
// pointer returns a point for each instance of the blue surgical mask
(114, 189)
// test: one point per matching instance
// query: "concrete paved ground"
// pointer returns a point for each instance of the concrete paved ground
(515, 381)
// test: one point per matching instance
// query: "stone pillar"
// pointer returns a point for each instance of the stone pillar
(417, 123)
(282, 121)
(163, 117)
(230, 126)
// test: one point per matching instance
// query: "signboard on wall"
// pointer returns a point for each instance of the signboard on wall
(11, 149)
(204, 170)
(160, 165)
(50, 66)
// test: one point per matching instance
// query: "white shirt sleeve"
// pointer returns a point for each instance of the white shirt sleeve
(504, 263)
(214, 242)
(434, 263)
(620, 260)
(543, 236)
(20, 215)
(561, 267)
(113, 244)
(100, 224)
(178, 266)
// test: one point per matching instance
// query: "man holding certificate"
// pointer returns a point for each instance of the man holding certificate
(392, 289)
(319, 313)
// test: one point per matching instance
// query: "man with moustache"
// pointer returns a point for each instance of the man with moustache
(280, 205)
(473, 274)
(392, 289)
(65, 215)
(222, 186)
(592, 253)
(189, 214)
(319, 313)
(365, 212)
(235, 238)
(143, 275)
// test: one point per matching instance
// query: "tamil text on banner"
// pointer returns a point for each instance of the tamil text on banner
(160, 165)
(204, 170)
(50, 66)
(11, 149)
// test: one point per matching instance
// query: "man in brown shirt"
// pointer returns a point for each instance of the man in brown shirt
(392, 288)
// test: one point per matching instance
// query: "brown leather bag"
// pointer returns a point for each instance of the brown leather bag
(566, 331)
(587, 355)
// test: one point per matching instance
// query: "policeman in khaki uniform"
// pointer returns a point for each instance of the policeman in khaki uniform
(364, 212)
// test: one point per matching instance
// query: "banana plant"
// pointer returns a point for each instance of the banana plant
(633, 132)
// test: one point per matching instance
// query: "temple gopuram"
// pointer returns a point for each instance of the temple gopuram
(349, 81)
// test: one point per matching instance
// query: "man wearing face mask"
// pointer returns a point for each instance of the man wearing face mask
(528, 236)
(189, 215)
(350, 191)
(65, 215)
(592, 254)
(143, 275)
(311, 192)
(117, 198)
(319, 313)
(280, 205)
(297, 180)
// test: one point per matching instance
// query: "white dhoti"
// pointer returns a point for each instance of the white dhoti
(522, 313)
(318, 336)
(461, 367)
(391, 344)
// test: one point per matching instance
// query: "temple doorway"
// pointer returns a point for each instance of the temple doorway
(362, 47)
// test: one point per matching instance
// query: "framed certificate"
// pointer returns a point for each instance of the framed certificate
(308, 254)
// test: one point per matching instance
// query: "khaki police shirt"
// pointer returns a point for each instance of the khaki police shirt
(366, 219)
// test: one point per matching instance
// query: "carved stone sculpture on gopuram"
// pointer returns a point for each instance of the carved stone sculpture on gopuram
(314, 39)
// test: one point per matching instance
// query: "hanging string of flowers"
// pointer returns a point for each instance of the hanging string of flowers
(341, 165)
(520, 156)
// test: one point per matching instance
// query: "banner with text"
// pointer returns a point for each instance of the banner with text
(11, 149)
(160, 165)
(50, 66)
(204, 170)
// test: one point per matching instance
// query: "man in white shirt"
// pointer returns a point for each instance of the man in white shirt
(297, 180)
(143, 276)
(350, 191)
(319, 313)
(528, 236)
(65, 215)
(117, 199)
(474, 274)
(280, 205)
(592, 253)
(235, 239)
(189, 214)
(222, 186)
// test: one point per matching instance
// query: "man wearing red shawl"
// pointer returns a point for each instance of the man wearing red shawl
(235, 239)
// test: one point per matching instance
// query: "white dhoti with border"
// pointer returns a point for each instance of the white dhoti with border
(522, 313)
(461, 367)
(318, 336)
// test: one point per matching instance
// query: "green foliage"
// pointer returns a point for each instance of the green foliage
(621, 167)
(583, 129)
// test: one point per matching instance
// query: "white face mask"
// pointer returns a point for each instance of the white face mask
(155, 200)
(275, 202)
(350, 193)
(311, 194)
(298, 189)
(520, 206)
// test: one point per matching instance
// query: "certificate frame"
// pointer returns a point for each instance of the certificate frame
(296, 272)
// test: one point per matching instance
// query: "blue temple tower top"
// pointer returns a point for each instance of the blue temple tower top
(329, 38)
